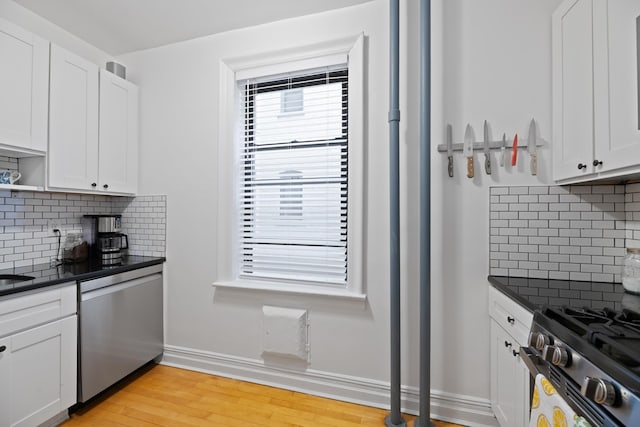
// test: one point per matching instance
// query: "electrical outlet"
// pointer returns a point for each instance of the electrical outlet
(54, 224)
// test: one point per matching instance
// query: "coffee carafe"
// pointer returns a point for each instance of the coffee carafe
(103, 234)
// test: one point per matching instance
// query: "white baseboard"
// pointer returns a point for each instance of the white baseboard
(460, 409)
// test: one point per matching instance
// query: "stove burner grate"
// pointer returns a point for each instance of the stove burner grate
(615, 334)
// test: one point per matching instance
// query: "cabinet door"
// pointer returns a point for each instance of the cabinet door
(24, 85)
(39, 372)
(616, 74)
(509, 380)
(573, 136)
(118, 134)
(5, 373)
(73, 141)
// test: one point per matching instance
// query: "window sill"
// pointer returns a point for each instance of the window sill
(316, 291)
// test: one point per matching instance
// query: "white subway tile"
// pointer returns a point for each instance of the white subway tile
(579, 276)
(602, 277)
(518, 256)
(581, 189)
(569, 232)
(551, 266)
(518, 190)
(557, 189)
(603, 242)
(559, 241)
(579, 207)
(549, 215)
(569, 267)
(571, 250)
(569, 215)
(559, 275)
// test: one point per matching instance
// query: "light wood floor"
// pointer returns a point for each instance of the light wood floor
(165, 396)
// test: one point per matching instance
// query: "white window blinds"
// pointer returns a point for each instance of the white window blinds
(294, 195)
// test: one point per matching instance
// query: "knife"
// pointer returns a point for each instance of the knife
(514, 154)
(450, 150)
(467, 148)
(502, 149)
(531, 145)
(487, 155)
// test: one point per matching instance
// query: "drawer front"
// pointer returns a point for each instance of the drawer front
(25, 311)
(511, 316)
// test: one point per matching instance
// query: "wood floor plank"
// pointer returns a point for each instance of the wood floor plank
(166, 396)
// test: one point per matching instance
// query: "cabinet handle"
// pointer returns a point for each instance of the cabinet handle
(511, 320)
(2, 348)
(515, 353)
(94, 185)
(597, 162)
(582, 166)
(507, 344)
(105, 186)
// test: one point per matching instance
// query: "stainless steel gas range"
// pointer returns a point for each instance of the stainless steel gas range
(592, 357)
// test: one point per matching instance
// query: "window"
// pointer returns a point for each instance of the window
(291, 101)
(290, 162)
(294, 186)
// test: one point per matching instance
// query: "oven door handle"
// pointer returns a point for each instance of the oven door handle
(531, 360)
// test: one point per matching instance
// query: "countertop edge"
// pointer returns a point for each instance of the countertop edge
(83, 276)
(497, 284)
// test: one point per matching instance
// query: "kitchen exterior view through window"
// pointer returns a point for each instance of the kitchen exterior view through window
(293, 178)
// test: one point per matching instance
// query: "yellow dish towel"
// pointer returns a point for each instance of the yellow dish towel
(548, 409)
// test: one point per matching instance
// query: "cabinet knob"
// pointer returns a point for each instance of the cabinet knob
(515, 353)
(2, 348)
(94, 185)
(105, 186)
(582, 166)
(507, 344)
(597, 162)
(511, 320)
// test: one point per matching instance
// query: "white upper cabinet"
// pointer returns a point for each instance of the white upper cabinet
(595, 90)
(73, 133)
(24, 85)
(118, 134)
(616, 74)
(93, 143)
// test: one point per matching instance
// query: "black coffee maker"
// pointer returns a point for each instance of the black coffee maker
(103, 234)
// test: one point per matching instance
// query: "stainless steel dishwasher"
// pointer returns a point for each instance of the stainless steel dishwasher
(120, 327)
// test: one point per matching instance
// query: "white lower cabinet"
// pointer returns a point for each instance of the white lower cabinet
(510, 378)
(38, 364)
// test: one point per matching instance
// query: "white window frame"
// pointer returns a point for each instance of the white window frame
(349, 50)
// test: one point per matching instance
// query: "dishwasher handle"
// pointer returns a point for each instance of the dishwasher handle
(89, 295)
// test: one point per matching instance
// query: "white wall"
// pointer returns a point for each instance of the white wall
(494, 63)
(492, 60)
(12, 11)
(179, 114)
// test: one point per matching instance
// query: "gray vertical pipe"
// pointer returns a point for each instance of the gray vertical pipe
(424, 419)
(394, 419)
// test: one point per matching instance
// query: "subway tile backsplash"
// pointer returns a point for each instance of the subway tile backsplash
(26, 238)
(568, 233)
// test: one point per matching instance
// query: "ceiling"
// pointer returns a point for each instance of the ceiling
(121, 26)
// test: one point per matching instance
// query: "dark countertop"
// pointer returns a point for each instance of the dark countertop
(44, 275)
(536, 293)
